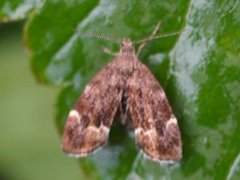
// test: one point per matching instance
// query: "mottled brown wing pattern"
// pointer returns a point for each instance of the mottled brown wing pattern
(156, 129)
(88, 123)
(126, 85)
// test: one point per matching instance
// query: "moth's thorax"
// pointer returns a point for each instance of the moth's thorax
(126, 59)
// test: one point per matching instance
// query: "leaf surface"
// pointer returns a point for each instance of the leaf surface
(199, 71)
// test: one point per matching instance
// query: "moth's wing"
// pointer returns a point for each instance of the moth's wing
(88, 123)
(156, 129)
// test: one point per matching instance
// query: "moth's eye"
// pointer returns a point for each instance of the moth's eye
(122, 44)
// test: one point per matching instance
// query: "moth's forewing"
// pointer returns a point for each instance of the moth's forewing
(88, 123)
(156, 127)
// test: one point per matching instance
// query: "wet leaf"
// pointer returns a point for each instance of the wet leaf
(13, 10)
(199, 71)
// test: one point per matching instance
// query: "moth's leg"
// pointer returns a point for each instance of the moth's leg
(151, 36)
(108, 51)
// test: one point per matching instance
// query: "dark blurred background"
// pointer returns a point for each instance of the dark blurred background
(29, 141)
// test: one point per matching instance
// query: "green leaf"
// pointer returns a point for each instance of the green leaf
(12, 10)
(199, 71)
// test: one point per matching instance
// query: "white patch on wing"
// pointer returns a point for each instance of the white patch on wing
(105, 128)
(162, 95)
(87, 88)
(151, 133)
(137, 131)
(172, 120)
(75, 114)
(97, 129)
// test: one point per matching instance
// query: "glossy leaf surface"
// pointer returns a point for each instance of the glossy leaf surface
(198, 69)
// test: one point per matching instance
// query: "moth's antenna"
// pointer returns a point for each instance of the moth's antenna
(98, 36)
(160, 36)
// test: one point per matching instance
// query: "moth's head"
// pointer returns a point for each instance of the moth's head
(127, 46)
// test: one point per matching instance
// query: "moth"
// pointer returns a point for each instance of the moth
(127, 86)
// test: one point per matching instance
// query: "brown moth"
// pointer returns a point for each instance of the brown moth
(128, 86)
